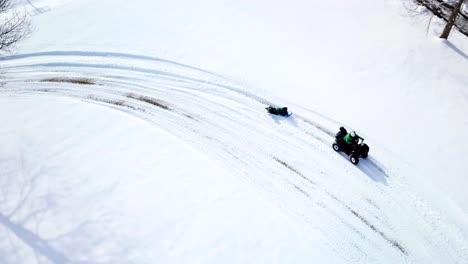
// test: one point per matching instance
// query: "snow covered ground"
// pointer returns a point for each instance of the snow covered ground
(135, 132)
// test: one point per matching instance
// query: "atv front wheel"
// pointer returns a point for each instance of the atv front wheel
(336, 147)
(354, 159)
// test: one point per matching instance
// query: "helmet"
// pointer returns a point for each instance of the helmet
(353, 134)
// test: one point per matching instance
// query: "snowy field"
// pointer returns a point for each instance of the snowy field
(135, 132)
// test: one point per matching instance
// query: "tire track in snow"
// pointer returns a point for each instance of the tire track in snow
(392, 242)
(294, 170)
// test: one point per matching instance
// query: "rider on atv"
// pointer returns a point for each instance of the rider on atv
(351, 138)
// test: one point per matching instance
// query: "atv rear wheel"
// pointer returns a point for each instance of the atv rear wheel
(365, 151)
(336, 147)
(354, 159)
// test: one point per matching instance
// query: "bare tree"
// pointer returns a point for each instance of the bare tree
(446, 10)
(452, 19)
(14, 26)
